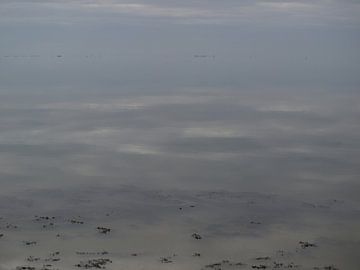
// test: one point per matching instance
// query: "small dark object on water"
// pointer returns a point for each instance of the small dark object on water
(94, 263)
(196, 236)
(261, 266)
(91, 253)
(25, 268)
(74, 221)
(39, 218)
(306, 244)
(29, 243)
(103, 230)
(330, 267)
(262, 258)
(166, 260)
(213, 265)
(255, 222)
(32, 259)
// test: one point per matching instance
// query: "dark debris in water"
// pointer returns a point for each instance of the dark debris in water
(263, 258)
(53, 257)
(44, 267)
(94, 263)
(166, 260)
(329, 267)
(281, 265)
(75, 221)
(29, 243)
(87, 253)
(103, 230)
(305, 244)
(263, 262)
(260, 266)
(33, 259)
(11, 226)
(43, 218)
(224, 263)
(255, 222)
(196, 236)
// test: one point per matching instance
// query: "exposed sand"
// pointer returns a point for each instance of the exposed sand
(152, 229)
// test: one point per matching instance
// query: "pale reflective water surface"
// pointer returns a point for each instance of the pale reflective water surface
(203, 139)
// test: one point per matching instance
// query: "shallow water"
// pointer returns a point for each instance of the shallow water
(253, 173)
(165, 121)
(148, 225)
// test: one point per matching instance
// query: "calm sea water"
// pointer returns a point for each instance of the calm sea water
(246, 135)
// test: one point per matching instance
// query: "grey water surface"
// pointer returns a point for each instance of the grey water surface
(203, 134)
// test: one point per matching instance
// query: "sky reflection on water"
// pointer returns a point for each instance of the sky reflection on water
(247, 109)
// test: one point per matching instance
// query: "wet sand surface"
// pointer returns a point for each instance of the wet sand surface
(135, 228)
